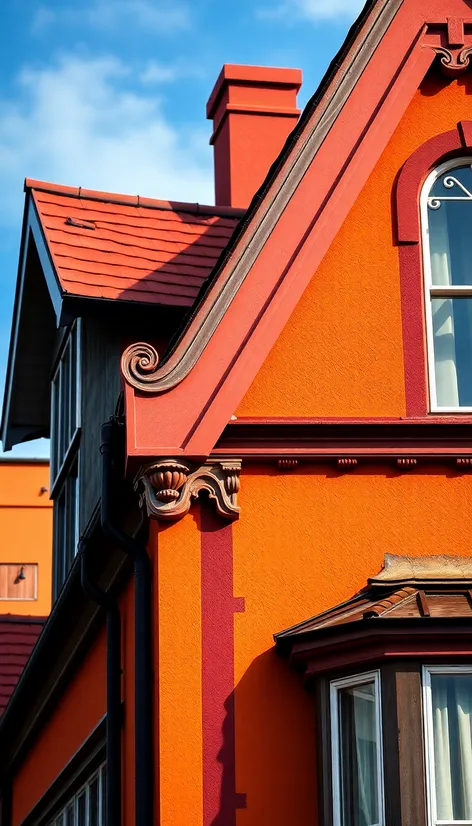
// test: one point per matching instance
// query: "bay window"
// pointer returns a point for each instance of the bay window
(393, 732)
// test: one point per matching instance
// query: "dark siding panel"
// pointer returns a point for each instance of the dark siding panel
(101, 384)
(103, 341)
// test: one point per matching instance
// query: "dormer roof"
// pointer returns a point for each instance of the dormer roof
(130, 248)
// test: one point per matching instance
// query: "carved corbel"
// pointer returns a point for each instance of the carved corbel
(170, 486)
(453, 61)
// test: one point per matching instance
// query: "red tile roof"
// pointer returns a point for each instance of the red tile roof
(130, 248)
(18, 636)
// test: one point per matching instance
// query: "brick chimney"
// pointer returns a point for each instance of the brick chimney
(253, 109)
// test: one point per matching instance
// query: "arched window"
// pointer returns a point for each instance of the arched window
(446, 213)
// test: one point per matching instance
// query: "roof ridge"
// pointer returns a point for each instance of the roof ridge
(132, 200)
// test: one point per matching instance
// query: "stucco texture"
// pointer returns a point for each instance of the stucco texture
(341, 352)
(306, 541)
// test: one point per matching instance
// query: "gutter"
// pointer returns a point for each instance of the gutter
(113, 718)
(143, 672)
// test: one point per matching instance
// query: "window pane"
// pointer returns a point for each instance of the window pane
(358, 749)
(103, 810)
(93, 802)
(449, 228)
(70, 820)
(452, 339)
(81, 809)
(451, 696)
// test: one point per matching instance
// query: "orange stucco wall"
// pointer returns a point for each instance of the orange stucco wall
(178, 641)
(26, 530)
(305, 542)
(77, 713)
(341, 352)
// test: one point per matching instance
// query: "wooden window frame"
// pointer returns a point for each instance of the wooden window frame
(403, 776)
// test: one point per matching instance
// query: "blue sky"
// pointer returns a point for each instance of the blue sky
(111, 94)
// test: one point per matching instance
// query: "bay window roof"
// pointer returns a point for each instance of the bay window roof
(411, 606)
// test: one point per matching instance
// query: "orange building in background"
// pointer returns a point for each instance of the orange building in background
(25, 564)
(26, 537)
(260, 416)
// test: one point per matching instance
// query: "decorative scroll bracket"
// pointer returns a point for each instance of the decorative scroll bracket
(454, 61)
(169, 487)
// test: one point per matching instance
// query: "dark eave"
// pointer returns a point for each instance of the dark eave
(33, 328)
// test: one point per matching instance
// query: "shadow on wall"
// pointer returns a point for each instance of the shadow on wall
(268, 754)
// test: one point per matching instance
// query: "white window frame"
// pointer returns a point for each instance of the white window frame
(334, 687)
(437, 291)
(429, 739)
(59, 818)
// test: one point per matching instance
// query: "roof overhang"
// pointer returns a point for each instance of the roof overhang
(42, 305)
(38, 305)
(416, 607)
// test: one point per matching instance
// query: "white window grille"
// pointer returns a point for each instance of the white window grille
(87, 807)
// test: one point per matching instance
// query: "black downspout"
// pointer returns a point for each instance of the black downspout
(113, 721)
(142, 637)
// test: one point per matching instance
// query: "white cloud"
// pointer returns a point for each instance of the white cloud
(314, 10)
(79, 122)
(155, 74)
(157, 16)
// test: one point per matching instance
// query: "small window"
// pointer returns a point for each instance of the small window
(447, 253)
(65, 443)
(448, 739)
(87, 806)
(356, 744)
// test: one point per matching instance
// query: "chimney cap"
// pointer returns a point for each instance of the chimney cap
(249, 75)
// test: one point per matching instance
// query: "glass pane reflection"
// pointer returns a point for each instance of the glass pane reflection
(452, 339)
(449, 223)
(358, 749)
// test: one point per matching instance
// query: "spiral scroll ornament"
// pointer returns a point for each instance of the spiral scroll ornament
(139, 364)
